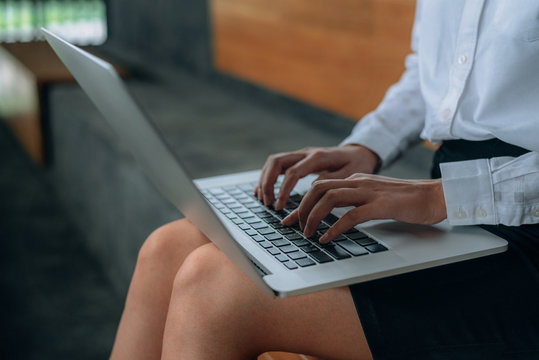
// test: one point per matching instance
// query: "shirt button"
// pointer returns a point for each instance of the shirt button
(446, 114)
(462, 59)
(480, 212)
(460, 214)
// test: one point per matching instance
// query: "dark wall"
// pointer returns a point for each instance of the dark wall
(168, 31)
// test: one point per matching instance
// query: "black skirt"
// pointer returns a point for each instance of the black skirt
(486, 308)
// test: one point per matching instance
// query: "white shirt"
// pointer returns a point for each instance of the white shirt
(473, 75)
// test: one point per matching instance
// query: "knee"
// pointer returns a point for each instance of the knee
(213, 297)
(211, 284)
(199, 270)
(164, 244)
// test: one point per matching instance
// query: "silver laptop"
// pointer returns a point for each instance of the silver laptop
(279, 259)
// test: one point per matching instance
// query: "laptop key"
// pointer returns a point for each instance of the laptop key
(244, 227)
(294, 236)
(321, 257)
(301, 242)
(376, 248)
(336, 252)
(290, 265)
(315, 238)
(305, 262)
(258, 238)
(296, 255)
(281, 257)
(250, 205)
(265, 231)
(259, 225)
(251, 232)
(331, 219)
(265, 215)
(291, 205)
(322, 226)
(356, 236)
(246, 187)
(244, 214)
(339, 238)
(280, 243)
(285, 231)
(288, 248)
(251, 220)
(308, 248)
(353, 248)
(265, 244)
(366, 241)
(273, 251)
(273, 237)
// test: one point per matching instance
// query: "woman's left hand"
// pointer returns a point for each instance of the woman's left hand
(373, 197)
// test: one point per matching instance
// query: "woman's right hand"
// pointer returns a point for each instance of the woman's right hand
(337, 162)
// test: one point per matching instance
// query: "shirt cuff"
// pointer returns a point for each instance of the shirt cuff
(468, 192)
(375, 138)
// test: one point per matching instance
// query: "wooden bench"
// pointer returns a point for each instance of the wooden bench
(285, 356)
(36, 64)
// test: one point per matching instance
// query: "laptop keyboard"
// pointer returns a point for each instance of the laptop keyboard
(287, 244)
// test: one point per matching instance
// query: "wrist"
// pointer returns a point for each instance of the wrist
(369, 157)
(437, 198)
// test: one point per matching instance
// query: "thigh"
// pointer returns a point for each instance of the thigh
(213, 292)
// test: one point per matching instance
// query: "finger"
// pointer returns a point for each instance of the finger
(353, 217)
(301, 169)
(291, 219)
(275, 165)
(315, 193)
(331, 199)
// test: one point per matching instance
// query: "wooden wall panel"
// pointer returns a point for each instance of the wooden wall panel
(340, 55)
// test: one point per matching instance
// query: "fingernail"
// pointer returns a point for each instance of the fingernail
(322, 239)
(307, 231)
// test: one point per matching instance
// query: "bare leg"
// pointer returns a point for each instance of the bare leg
(140, 333)
(217, 312)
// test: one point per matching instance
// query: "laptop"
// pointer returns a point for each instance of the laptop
(280, 260)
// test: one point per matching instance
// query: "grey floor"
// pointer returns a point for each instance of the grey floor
(56, 303)
(56, 300)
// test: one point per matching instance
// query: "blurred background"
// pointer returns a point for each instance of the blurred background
(227, 82)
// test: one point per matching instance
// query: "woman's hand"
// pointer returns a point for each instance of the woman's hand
(373, 197)
(331, 163)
